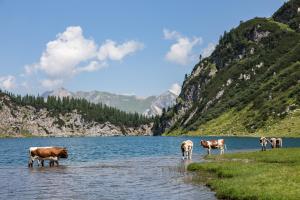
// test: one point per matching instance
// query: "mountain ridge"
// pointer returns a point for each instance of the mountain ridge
(149, 106)
(249, 85)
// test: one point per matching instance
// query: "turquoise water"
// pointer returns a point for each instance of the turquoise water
(109, 168)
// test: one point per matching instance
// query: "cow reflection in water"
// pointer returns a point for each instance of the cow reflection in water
(53, 154)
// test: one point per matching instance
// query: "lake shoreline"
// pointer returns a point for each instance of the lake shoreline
(247, 175)
(3, 136)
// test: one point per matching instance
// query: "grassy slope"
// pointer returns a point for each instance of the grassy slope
(258, 110)
(230, 123)
(256, 175)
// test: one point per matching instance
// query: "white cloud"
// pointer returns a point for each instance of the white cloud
(208, 50)
(111, 50)
(175, 89)
(51, 83)
(7, 82)
(170, 35)
(92, 66)
(64, 54)
(181, 51)
(71, 53)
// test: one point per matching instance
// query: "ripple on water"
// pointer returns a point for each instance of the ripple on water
(137, 178)
(151, 170)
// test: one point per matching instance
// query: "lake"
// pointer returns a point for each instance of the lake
(109, 168)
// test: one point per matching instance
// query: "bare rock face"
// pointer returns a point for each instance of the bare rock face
(19, 120)
(257, 34)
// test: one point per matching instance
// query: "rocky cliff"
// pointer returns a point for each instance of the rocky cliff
(16, 120)
(249, 85)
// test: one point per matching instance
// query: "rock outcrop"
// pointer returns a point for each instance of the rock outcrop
(16, 120)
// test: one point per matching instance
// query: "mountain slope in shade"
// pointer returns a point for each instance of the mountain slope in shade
(149, 106)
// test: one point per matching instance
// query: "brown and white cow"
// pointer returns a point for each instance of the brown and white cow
(187, 149)
(213, 144)
(263, 142)
(276, 142)
(53, 154)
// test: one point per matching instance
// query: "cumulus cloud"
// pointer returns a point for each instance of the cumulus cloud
(7, 82)
(71, 53)
(112, 51)
(181, 51)
(64, 54)
(208, 50)
(175, 89)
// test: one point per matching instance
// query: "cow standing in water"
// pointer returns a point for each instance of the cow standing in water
(276, 142)
(53, 154)
(213, 144)
(263, 142)
(187, 149)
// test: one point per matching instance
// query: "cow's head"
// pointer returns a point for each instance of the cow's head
(63, 153)
(202, 142)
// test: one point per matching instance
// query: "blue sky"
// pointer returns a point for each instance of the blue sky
(128, 47)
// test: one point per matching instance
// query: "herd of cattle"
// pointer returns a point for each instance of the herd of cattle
(53, 154)
(187, 146)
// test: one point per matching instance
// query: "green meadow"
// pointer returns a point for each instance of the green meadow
(273, 174)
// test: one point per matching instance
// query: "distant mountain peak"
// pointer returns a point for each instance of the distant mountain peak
(149, 106)
(59, 92)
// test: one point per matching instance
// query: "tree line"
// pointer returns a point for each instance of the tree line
(90, 111)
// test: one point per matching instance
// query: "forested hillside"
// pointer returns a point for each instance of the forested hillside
(250, 85)
(90, 111)
(66, 116)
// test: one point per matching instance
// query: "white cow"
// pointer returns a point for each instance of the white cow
(187, 149)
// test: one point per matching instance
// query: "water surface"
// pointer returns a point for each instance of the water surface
(108, 168)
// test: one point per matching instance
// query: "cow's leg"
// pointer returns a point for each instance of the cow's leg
(56, 161)
(182, 151)
(209, 149)
(221, 150)
(42, 162)
(191, 152)
(263, 147)
(51, 163)
(39, 162)
(30, 162)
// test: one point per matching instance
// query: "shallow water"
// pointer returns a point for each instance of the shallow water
(108, 168)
